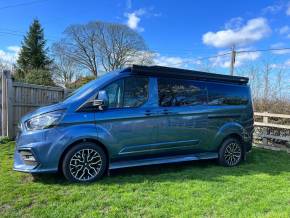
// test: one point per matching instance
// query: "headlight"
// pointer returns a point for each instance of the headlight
(44, 121)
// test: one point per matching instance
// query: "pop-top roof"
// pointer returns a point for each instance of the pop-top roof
(188, 74)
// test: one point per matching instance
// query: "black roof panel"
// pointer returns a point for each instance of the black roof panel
(187, 74)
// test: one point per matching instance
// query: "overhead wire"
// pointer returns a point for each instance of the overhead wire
(21, 4)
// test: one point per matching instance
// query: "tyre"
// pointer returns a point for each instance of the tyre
(85, 162)
(231, 153)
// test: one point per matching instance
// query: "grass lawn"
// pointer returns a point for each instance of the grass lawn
(260, 187)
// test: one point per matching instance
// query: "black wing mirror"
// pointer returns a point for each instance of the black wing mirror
(100, 103)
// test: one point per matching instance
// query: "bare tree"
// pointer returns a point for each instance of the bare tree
(2, 67)
(104, 46)
(64, 69)
(205, 65)
(269, 85)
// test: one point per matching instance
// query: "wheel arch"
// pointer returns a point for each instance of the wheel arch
(233, 135)
(239, 138)
(86, 139)
(228, 130)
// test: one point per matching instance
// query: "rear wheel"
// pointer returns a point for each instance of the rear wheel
(85, 162)
(231, 152)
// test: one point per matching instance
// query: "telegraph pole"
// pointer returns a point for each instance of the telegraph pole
(233, 60)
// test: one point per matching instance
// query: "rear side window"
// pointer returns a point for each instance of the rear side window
(127, 93)
(177, 92)
(227, 94)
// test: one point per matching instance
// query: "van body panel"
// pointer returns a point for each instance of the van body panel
(183, 126)
(151, 132)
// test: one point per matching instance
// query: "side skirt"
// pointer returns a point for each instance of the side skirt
(163, 160)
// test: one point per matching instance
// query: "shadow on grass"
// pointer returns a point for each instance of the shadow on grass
(258, 162)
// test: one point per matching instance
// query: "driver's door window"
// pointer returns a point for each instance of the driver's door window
(115, 94)
(128, 93)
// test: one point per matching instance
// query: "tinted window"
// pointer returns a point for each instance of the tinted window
(135, 91)
(114, 92)
(128, 92)
(176, 92)
(227, 94)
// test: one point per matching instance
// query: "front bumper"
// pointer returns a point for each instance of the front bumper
(43, 147)
(23, 166)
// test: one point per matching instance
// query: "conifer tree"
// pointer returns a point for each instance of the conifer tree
(33, 57)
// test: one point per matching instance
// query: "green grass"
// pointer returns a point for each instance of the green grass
(260, 187)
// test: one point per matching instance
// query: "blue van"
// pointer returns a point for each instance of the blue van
(138, 116)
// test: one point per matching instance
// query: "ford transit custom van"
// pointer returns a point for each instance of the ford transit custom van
(141, 115)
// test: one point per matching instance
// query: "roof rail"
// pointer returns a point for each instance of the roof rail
(188, 74)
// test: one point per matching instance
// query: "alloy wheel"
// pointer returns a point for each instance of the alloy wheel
(85, 164)
(233, 154)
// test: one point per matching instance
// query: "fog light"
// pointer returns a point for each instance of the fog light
(28, 157)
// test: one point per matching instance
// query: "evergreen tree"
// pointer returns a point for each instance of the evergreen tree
(39, 77)
(33, 57)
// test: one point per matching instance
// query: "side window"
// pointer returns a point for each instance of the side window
(227, 94)
(115, 93)
(128, 92)
(176, 92)
(135, 91)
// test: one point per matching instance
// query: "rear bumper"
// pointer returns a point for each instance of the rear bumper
(248, 146)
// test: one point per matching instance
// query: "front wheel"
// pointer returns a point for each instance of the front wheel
(85, 162)
(231, 153)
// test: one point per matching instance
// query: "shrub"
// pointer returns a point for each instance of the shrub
(4, 139)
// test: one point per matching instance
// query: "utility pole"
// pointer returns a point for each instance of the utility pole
(233, 60)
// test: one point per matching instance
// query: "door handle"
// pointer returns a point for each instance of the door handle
(166, 112)
(148, 113)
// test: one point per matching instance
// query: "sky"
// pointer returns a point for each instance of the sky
(180, 32)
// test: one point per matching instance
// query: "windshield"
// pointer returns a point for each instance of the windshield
(80, 90)
(89, 87)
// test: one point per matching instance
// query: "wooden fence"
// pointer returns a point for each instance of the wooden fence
(272, 131)
(1, 110)
(21, 98)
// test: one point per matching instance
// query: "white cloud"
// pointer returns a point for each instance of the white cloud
(9, 55)
(14, 48)
(287, 63)
(284, 65)
(284, 29)
(273, 9)
(175, 61)
(280, 45)
(134, 19)
(222, 61)
(234, 23)
(170, 61)
(254, 30)
(241, 58)
(288, 9)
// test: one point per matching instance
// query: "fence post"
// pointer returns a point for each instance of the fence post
(10, 99)
(265, 130)
(7, 105)
(65, 92)
(4, 107)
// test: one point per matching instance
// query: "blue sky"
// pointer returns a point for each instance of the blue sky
(179, 32)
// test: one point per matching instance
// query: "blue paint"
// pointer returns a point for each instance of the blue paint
(143, 135)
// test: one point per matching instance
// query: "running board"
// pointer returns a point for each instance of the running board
(163, 160)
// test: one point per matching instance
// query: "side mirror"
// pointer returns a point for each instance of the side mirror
(102, 100)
